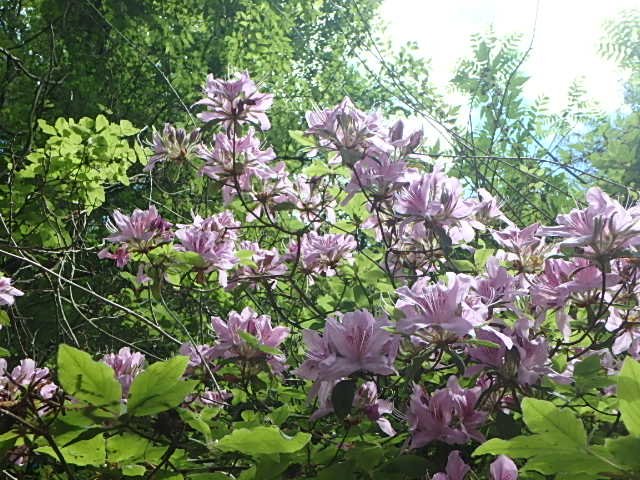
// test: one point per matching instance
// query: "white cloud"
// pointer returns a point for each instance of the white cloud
(564, 47)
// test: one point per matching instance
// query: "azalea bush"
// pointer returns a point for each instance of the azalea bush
(350, 311)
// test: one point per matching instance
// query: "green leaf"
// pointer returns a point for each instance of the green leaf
(86, 452)
(480, 257)
(4, 318)
(280, 415)
(132, 470)
(126, 446)
(481, 343)
(46, 128)
(101, 123)
(342, 397)
(4, 352)
(300, 138)
(464, 265)
(624, 450)
(88, 380)
(262, 441)
(629, 395)
(159, 387)
(253, 341)
(558, 425)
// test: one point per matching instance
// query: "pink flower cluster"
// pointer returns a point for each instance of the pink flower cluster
(502, 468)
(126, 366)
(8, 292)
(230, 343)
(25, 377)
(353, 342)
(449, 415)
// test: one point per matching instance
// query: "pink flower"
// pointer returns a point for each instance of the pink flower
(346, 130)
(121, 255)
(488, 209)
(213, 239)
(449, 415)
(355, 342)
(126, 366)
(563, 280)
(498, 288)
(25, 376)
(321, 253)
(456, 468)
(438, 305)
(141, 226)
(266, 263)
(239, 160)
(365, 402)
(235, 102)
(232, 345)
(438, 199)
(503, 468)
(173, 145)
(7, 292)
(198, 355)
(626, 324)
(604, 226)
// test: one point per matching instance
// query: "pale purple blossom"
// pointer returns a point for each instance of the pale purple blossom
(438, 199)
(346, 130)
(25, 376)
(426, 305)
(121, 255)
(354, 342)
(626, 324)
(365, 402)
(8, 292)
(503, 468)
(449, 415)
(563, 280)
(126, 366)
(172, 145)
(212, 238)
(232, 345)
(604, 227)
(320, 254)
(235, 101)
(199, 355)
(140, 227)
(237, 162)
(266, 265)
(456, 469)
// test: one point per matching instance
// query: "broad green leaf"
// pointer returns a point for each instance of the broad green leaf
(159, 387)
(302, 139)
(559, 426)
(132, 470)
(625, 450)
(480, 257)
(126, 446)
(481, 343)
(262, 441)
(89, 381)
(86, 452)
(279, 415)
(101, 123)
(46, 128)
(629, 395)
(253, 341)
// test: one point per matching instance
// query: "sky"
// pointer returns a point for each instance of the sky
(564, 45)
